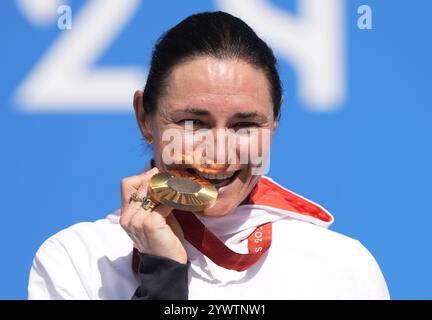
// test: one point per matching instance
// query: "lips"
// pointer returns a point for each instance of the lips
(218, 179)
(219, 175)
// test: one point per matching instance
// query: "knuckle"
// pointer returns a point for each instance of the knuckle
(150, 172)
(153, 170)
(125, 181)
(123, 222)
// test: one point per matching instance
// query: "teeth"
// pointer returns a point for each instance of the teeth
(214, 176)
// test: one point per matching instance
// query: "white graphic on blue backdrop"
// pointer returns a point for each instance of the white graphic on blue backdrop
(312, 41)
(65, 79)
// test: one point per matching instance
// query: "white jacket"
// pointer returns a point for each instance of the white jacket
(305, 260)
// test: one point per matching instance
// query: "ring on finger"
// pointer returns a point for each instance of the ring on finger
(134, 197)
(146, 202)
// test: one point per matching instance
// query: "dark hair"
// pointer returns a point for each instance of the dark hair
(216, 34)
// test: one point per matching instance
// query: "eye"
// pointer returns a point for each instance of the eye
(245, 125)
(195, 122)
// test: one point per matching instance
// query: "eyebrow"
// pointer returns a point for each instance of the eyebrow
(255, 116)
(197, 111)
(246, 115)
(239, 115)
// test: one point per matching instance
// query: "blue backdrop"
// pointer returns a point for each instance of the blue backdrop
(358, 141)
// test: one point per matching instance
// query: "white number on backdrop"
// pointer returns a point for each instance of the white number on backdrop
(313, 42)
(64, 79)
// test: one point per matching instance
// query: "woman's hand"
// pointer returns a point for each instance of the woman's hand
(154, 232)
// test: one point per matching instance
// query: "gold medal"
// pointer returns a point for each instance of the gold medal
(182, 191)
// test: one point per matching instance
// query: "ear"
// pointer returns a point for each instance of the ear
(141, 117)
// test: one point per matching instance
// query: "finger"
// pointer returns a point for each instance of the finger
(160, 208)
(146, 175)
(131, 184)
(134, 207)
(136, 211)
(149, 221)
(163, 209)
(175, 226)
(141, 193)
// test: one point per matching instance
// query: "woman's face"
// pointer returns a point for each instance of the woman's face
(213, 95)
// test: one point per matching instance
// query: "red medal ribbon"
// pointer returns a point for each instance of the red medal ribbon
(265, 193)
(208, 244)
(213, 248)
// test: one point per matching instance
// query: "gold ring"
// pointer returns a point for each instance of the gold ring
(134, 197)
(146, 202)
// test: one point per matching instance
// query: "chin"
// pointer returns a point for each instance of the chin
(231, 196)
(220, 209)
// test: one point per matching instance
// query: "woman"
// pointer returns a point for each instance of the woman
(257, 241)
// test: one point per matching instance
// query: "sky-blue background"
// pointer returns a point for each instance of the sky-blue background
(369, 163)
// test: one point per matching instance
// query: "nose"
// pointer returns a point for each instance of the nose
(225, 146)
